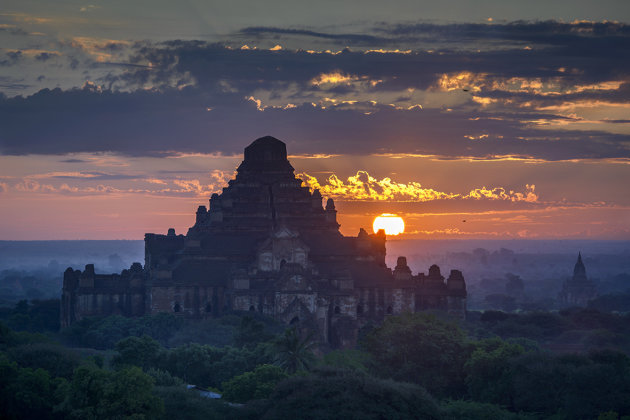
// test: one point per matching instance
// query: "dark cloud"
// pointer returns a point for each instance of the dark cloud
(12, 86)
(14, 55)
(344, 39)
(614, 95)
(44, 56)
(13, 30)
(73, 161)
(191, 96)
(545, 32)
(12, 58)
(571, 53)
(158, 123)
(112, 46)
(74, 62)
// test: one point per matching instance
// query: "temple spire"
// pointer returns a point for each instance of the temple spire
(579, 271)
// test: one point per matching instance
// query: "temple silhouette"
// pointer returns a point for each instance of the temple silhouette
(579, 289)
(266, 244)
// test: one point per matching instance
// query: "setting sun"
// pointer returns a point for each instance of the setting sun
(392, 224)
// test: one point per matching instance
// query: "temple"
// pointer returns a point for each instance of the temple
(266, 244)
(577, 290)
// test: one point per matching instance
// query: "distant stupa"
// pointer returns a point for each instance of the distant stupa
(577, 290)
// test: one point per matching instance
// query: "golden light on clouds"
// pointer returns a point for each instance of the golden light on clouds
(390, 223)
(364, 187)
(333, 78)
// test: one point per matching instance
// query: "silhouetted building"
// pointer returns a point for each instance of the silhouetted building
(577, 290)
(266, 244)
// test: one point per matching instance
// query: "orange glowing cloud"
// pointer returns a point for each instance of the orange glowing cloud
(363, 186)
(462, 80)
(100, 49)
(333, 78)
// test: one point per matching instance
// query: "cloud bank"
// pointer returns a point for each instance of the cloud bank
(533, 90)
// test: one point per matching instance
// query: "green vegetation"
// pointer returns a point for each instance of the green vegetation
(420, 348)
(293, 352)
(339, 394)
(413, 366)
(36, 316)
(569, 330)
(96, 393)
(254, 385)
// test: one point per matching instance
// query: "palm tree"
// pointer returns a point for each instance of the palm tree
(293, 352)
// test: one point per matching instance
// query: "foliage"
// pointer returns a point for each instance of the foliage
(25, 392)
(7, 336)
(352, 359)
(251, 332)
(420, 348)
(104, 333)
(210, 366)
(488, 370)
(573, 329)
(160, 326)
(57, 360)
(508, 378)
(215, 332)
(38, 316)
(99, 333)
(183, 404)
(612, 302)
(253, 385)
(137, 351)
(571, 386)
(471, 410)
(36, 283)
(599, 383)
(163, 378)
(171, 331)
(328, 394)
(125, 394)
(294, 352)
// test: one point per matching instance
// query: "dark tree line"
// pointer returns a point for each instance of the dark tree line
(411, 366)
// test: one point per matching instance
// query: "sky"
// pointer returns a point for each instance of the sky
(470, 119)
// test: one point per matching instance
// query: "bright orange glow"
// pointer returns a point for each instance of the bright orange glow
(392, 224)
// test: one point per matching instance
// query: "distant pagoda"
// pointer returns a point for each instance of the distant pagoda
(577, 290)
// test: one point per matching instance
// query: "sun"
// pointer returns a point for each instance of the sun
(391, 223)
